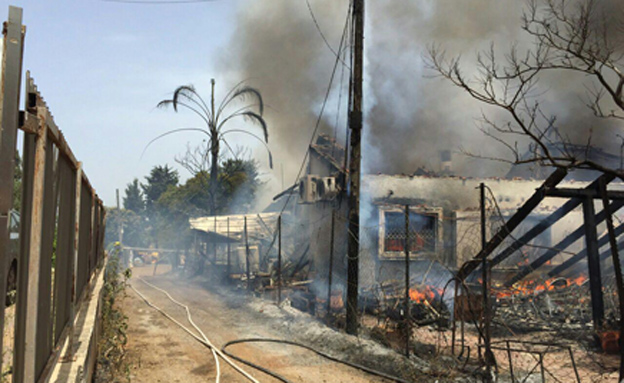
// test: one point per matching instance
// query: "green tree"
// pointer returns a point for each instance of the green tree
(133, 199)
(238, 185)
(134, 228)
(214, 121)
(158, 181)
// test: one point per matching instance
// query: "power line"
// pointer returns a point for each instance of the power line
(318, 28)
(318, 121)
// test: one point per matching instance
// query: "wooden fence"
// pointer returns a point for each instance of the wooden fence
(62, 220)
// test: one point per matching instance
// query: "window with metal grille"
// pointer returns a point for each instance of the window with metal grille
(422, 232)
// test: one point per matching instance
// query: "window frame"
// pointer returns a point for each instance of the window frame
(435, 212)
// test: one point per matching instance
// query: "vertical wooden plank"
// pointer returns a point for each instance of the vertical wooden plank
(11, 77)
(65, 248)
(44, 322)
(73, 259)
(94, 234)
(28, 172)
(593, 263)
(86, 209)
(31, 297)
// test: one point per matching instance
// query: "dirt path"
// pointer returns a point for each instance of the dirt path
(159, 351)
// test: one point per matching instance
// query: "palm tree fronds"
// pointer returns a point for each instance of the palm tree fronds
(189, 93)
(165, 103)
(255, 117)
(184, 90)
(168, 133)
(245, 91)
(254, 136)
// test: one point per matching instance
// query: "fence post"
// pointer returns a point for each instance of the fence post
(229, 260)
(74, 263)
(247, 257)
(10, 98)
(214, 245)
(26, 360)
(407, 283)
(331, 264)
(486, 301)
(279, 259)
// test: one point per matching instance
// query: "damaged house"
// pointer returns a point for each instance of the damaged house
(444, 221)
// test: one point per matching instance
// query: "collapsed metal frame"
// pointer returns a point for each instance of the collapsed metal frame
(56, 196)
(576, 197)
(506, 345)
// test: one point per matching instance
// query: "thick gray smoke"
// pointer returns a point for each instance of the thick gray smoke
(410, 116)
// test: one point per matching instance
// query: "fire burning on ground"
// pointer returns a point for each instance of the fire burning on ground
(532, 287)
(425, 293)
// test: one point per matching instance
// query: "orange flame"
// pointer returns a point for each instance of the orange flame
(530, 287)
(426, 293)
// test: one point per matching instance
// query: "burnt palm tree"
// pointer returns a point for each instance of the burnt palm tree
(216, 120)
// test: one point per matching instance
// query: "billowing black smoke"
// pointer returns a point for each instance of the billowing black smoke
(410, 116)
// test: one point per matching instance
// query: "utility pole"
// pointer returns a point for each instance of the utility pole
(355, 121)
(121, 230)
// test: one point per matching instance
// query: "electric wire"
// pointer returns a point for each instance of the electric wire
(317, 125)
(197, 338)
(320, 117)
(320, 31)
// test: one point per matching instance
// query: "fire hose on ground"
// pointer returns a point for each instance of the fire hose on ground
(197, 338)
(227, 356)
(320, 353)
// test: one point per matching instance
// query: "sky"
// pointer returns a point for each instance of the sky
(102, 67)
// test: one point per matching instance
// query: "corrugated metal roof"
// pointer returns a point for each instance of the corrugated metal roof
(259, 225)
